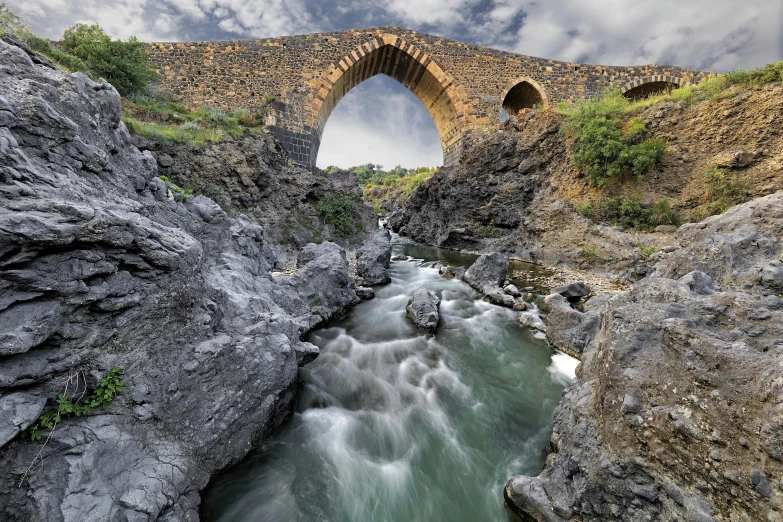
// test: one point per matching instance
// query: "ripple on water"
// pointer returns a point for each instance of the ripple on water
(395, 425)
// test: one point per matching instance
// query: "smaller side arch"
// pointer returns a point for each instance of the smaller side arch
(522, 93)
(651, 85)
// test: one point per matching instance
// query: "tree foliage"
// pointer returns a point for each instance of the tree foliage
(125, 64)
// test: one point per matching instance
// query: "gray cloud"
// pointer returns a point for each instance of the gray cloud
(716, 35)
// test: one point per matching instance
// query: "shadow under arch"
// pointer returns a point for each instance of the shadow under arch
(397, 58)
(523, 93)
(650, 85)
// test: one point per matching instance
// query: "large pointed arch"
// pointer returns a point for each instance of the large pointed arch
(399, 59)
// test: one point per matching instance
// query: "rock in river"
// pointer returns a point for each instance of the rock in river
(422, 309)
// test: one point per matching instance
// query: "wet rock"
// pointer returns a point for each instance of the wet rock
(519, 306)
(532, 320)
(422, 309)
(487, 272)
(364, 292)
(512, 290)
(570, 330)
(573, 290)
(373, 259)
(446, 272)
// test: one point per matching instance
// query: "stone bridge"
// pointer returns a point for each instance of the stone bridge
(463, 86)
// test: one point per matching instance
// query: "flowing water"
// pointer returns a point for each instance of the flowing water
(394, 425)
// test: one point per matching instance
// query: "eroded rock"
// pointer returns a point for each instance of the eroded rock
(422, 309)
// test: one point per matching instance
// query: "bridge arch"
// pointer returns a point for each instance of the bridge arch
(523, 93)
(412, 67)
(651, 85)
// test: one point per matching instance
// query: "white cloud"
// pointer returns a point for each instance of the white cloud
(431, 12)
(711, 34)
(381, 122)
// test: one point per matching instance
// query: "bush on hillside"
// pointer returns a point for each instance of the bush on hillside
(603, 146)
(721, 192)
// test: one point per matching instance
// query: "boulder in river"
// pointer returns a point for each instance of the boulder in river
(532, 320)
(572, 290)
(512, 290)
(365, 292)
(569, 329)
(422, 309)
(373, 257)
(486, 275)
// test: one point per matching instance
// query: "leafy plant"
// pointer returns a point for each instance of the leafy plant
(647, 251)
(602, 147)
(180, 194)
(338, 211)
(103, 396)
(722, 191)
(589, 252)
(632, 212)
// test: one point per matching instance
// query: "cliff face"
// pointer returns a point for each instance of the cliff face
(515, 192)
(97, 270)
(250, 174)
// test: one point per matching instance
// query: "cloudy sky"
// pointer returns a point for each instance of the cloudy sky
(387, 121)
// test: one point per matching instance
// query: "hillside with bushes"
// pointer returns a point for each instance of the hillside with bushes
(603, 184)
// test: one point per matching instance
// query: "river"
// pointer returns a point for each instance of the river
(394, 425)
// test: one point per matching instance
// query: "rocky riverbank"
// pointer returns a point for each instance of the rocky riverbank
(100, 268)
(677, 409)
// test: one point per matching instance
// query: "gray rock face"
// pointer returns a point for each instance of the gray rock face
(98, 270)
(372, 259)
(422, 309)
(569, 329)
(572, 290)
(675, 413)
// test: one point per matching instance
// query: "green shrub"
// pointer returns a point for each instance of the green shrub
(600, 148)
(102, 396)
(126, 65)
(179, 193)
(190, 126)
(588, 252)
(722, 191)
(632, 212)
(770, 73)
(339, 212)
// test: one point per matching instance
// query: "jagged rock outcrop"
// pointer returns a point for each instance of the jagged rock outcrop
(96, 272)
(422, 309)
(487, 274)
(250, 174)
(677, 409)
(373, 258)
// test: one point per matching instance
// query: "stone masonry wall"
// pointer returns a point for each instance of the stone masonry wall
(462, 85)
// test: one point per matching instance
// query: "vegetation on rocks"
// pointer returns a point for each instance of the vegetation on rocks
(632, 212)
(392, 186)
(722, 190)
(339, 211)
(602, 145)
(102, 396)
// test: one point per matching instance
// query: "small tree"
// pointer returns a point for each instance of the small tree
(126, 65)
